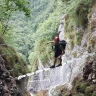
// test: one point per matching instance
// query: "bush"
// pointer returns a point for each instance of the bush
(89, 90)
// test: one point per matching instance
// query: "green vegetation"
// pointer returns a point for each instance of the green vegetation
(46, 32)
(82, 88)
(7, 7)
(77, 12)
(90, 90)
(79, 36)
(23, 28)
(11, 59)
(29, 36)
(74, 54)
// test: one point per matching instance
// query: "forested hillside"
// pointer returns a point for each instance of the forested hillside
(7, 52)
(77, 19)
(25, 28)
(11, 62)
(79, 60)
(29, 35)
(26, 34)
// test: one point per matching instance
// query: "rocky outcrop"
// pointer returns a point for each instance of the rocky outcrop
(7, 82)
(9, 70)
(89, 71)
(22, 86)
(84, 84)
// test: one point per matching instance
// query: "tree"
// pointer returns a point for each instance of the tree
(7, 7)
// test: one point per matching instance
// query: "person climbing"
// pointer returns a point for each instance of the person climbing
(59, 50)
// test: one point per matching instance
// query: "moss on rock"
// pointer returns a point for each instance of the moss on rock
(90, 90)
(12, 60)
(80, 87)
(79, 36)
(94, 93)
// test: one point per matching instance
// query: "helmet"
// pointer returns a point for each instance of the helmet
(56, 38)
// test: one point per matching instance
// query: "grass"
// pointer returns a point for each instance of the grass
(77, 16)
(12, 60)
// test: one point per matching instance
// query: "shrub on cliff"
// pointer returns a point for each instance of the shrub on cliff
(12, 60)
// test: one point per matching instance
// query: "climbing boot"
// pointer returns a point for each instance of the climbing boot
(59, 65)
(53, 66)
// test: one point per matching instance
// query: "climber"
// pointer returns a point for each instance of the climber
(59, 50)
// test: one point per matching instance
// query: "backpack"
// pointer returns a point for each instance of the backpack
(63, 43)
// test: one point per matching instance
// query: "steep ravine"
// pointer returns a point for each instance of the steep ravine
(46, 81)
(73, 78)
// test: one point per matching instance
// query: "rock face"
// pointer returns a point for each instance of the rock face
(8, 85)
(83, 83)
(89, 71)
